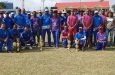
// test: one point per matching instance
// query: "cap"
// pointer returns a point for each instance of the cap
(29, 13)
(63, 11)
(80, 27)
(46, 10)
(12, 13)
(96, 12)
(39, 11)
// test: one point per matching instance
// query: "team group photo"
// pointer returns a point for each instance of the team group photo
(64, 33)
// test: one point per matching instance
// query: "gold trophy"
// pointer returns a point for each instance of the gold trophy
(77, 47)
(41, 43)
(16, 45)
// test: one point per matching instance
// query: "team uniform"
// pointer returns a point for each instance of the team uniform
(55, 22)
(72, 21)
(87, 20)
(101, 40)
(64, 38)
(8, 22)
(14, 37)
(26, 38)
(41, 23)
(97, 21)
(3, 35)
(35, 27)
(28, 23)
(81, 40)
(20, 21)
(46, 28)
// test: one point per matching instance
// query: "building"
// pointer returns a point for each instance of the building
(83, 5)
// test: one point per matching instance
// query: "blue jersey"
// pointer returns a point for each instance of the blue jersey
(20, 20)
(1, 20)
(26, 35)
(13, 33)
(79, 35)
(41, 20)
(35, 23)
(101, 37)
(28, 22)
(8, 22)
(46, 20)
(97, 21)
(3, 33)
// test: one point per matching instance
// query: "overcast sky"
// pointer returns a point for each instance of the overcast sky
(36, 4)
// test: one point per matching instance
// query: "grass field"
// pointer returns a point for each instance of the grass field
(60, 61)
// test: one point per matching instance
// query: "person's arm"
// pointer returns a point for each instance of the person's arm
(68, 21)
(1, 39)
(75, 23)
(83, 22)
(91, 23)
(84, 38)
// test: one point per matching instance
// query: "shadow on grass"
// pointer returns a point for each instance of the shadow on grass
(45, 49)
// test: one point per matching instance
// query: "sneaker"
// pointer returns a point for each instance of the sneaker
(5, 48)
(30, 47)
(23, 48)
(18, 49)
(9, 52)
(68, 48)
(50, 46)
(38, 46)
(40, 49)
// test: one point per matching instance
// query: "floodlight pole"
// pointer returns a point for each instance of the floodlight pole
(80, 4)
(43, 2)
(23, 4)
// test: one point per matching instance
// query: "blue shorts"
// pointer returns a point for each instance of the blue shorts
(64, 42)
(88, 33)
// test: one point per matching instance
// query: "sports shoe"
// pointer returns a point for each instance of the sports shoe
(30, 47)
(23, 48)
(18, 49)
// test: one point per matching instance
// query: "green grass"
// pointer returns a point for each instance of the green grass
(60, 61)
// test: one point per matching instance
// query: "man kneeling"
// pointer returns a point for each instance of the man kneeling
(101, 39)
(80, 39)
(26, 38)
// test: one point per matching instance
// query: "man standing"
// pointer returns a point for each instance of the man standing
(97, 22)
(46, 27)
(87, 24)
(35, 27)
(8, 21)
(55, 25)
(72, 23)
(20, 21)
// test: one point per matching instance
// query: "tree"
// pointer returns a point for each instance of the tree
(2, 5)
(113, 7)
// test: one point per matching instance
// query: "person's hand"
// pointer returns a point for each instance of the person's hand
(5, 40)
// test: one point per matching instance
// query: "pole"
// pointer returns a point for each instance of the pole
(23, 4)
(80, 4)
(43, 2)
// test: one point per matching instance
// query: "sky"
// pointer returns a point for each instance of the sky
(37, 5)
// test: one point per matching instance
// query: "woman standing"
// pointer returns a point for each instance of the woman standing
(110, 28)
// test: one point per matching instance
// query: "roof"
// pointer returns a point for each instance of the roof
(64, 5)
